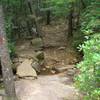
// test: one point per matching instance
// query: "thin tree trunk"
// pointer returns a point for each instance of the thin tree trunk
(48, 17)
(78, 15)
(35, 19)
(83, 4)
(37, 7)
(70, 22)
(30, 6)
(6, 62)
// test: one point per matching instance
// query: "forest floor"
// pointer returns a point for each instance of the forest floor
(49, 85)
(58, 54)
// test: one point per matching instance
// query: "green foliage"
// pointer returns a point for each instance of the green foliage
(60, 7)
(12, 50)
(88, 80)
(8, 27)
(90, 18)
(15, 12)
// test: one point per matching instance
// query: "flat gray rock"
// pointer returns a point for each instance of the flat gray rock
(62, 69)
(26, 70)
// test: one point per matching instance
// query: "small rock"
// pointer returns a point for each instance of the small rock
(75, 60)
(15, 60)
(44, 69)
(48, 67)
(62, 69)
(61, 48)
(42, 63)
(36, 66)
(53, 71)
(37, 43)
(71, 72)
(15, 77)
(1, 80)
(29, 78)
(40, 55)
(26, 70)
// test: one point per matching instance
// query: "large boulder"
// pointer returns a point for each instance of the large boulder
(38, 63)
(25, 69)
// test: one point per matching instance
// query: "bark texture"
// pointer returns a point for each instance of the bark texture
(6, 62)
(70, 21)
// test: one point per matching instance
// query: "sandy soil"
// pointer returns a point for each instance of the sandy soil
(53, 87)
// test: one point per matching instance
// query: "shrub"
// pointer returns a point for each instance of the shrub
(89, 78)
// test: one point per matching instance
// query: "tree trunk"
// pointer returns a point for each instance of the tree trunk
(48, 17)
(37, 7)
(78, 15)
(70, 22)
(83, 4)
(6, 62)
(35, 19)
(30, 6)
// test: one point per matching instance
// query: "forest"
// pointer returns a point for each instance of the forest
(49, 49)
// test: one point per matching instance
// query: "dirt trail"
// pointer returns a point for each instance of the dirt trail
(51, 87)
(55, 57)
(55, 35)
(57, 54)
